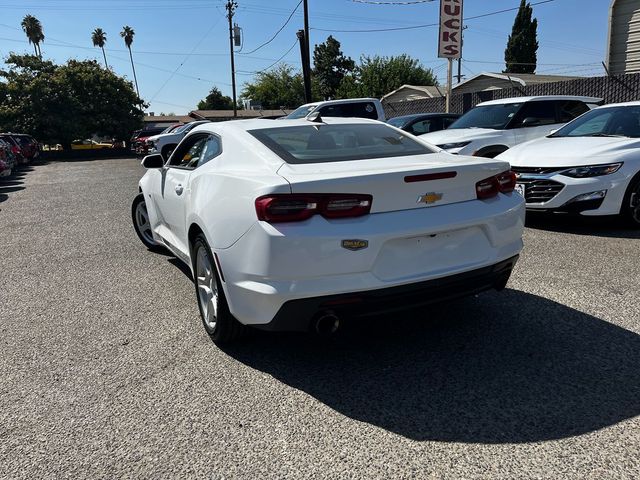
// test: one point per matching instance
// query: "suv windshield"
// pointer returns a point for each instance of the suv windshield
(604, 122)
(338, 143)
(301, 112)
(496, 117)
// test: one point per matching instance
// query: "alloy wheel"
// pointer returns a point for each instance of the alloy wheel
(207, 288)
(634, 204)
(142, 223)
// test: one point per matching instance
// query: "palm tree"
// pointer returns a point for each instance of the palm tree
(127, 33)
(33, 28)
(99, 38)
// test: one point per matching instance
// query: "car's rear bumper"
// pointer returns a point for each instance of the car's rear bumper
(298, 315)
(271, 265)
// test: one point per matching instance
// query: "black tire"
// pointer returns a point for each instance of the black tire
(631, 203)
(226, 328)
(145, 238)
(167, 150)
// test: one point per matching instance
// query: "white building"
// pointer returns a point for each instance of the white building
(623, 52)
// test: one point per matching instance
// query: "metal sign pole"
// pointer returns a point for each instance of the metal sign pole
(449, 85)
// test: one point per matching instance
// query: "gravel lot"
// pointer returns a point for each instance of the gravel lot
(106, 371)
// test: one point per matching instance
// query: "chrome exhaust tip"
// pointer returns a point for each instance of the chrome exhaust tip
(326, 323)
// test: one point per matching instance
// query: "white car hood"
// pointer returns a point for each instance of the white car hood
(571, 151)
(155, 137)
(457, 135)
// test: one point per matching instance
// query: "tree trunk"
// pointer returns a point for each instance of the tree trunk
(105, 59)
(133, 67)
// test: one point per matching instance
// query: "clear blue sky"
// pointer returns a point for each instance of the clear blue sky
(190, 37)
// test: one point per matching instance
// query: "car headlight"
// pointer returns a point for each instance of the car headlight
(451, 146)
(592, 171)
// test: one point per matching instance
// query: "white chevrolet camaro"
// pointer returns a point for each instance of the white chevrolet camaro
(291, 225)
(591, 166)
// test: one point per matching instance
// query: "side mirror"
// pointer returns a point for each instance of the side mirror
(153, 161)
(530, 122)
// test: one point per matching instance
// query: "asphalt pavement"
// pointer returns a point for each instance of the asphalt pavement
(106, 371)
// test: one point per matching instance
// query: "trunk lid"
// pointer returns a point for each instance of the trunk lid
(386, 179)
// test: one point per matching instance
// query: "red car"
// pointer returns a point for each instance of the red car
(16, 148)
(28, 145)
(139, 139)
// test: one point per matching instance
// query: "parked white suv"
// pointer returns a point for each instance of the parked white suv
(352, 107)
(165, 143)
(493, 127)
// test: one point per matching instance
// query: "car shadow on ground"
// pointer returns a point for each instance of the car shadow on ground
(506, 367)
(612, 227)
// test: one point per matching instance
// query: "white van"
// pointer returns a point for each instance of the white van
(350, 107)
(493, 127)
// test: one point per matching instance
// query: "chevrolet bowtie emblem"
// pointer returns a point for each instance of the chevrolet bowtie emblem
(429, 198)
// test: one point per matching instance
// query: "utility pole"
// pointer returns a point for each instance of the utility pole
(459, 75)
(231, 8)
(306, 73)
(306, 57)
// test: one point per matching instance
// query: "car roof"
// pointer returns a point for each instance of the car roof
(503, 101)
(336, 102)
(259, 123)
(635, 103)
(424, 115)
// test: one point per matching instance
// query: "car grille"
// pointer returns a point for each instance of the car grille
(538, 170)
(540, 191)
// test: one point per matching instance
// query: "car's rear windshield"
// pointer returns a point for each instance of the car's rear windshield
(338, 143)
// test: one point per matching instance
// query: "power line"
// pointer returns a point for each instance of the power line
(426, 25)
(274, 63)
(275, 34)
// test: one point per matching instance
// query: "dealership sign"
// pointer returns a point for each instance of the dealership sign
(450, 40)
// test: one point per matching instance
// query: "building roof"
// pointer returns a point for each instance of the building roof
(523, 79)
(430, 91)
(167, 119)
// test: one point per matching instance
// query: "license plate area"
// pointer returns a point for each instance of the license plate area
(432, 254)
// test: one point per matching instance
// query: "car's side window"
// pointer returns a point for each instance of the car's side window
(423, 126)
(447, 122)
(196, 151)
(570, 109)
(187, 154)
(534, 114)
(212, 148)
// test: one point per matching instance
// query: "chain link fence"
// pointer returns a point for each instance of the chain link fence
(612, 89)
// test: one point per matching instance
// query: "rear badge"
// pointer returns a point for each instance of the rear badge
(354, 245)
(429, 198)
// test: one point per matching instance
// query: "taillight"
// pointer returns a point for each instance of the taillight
(298, 207)
(507, 181)
(504, 182)
(15, 149)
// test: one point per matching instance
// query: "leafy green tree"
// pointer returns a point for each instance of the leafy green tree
(127, 34)
(276, 88)
(376, 76)
(35, 34)
(99, 39)
(521, 55)
(216, 101)
(59, 104)
(329, 67)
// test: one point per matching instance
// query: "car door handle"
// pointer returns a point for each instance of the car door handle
(179, 189)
